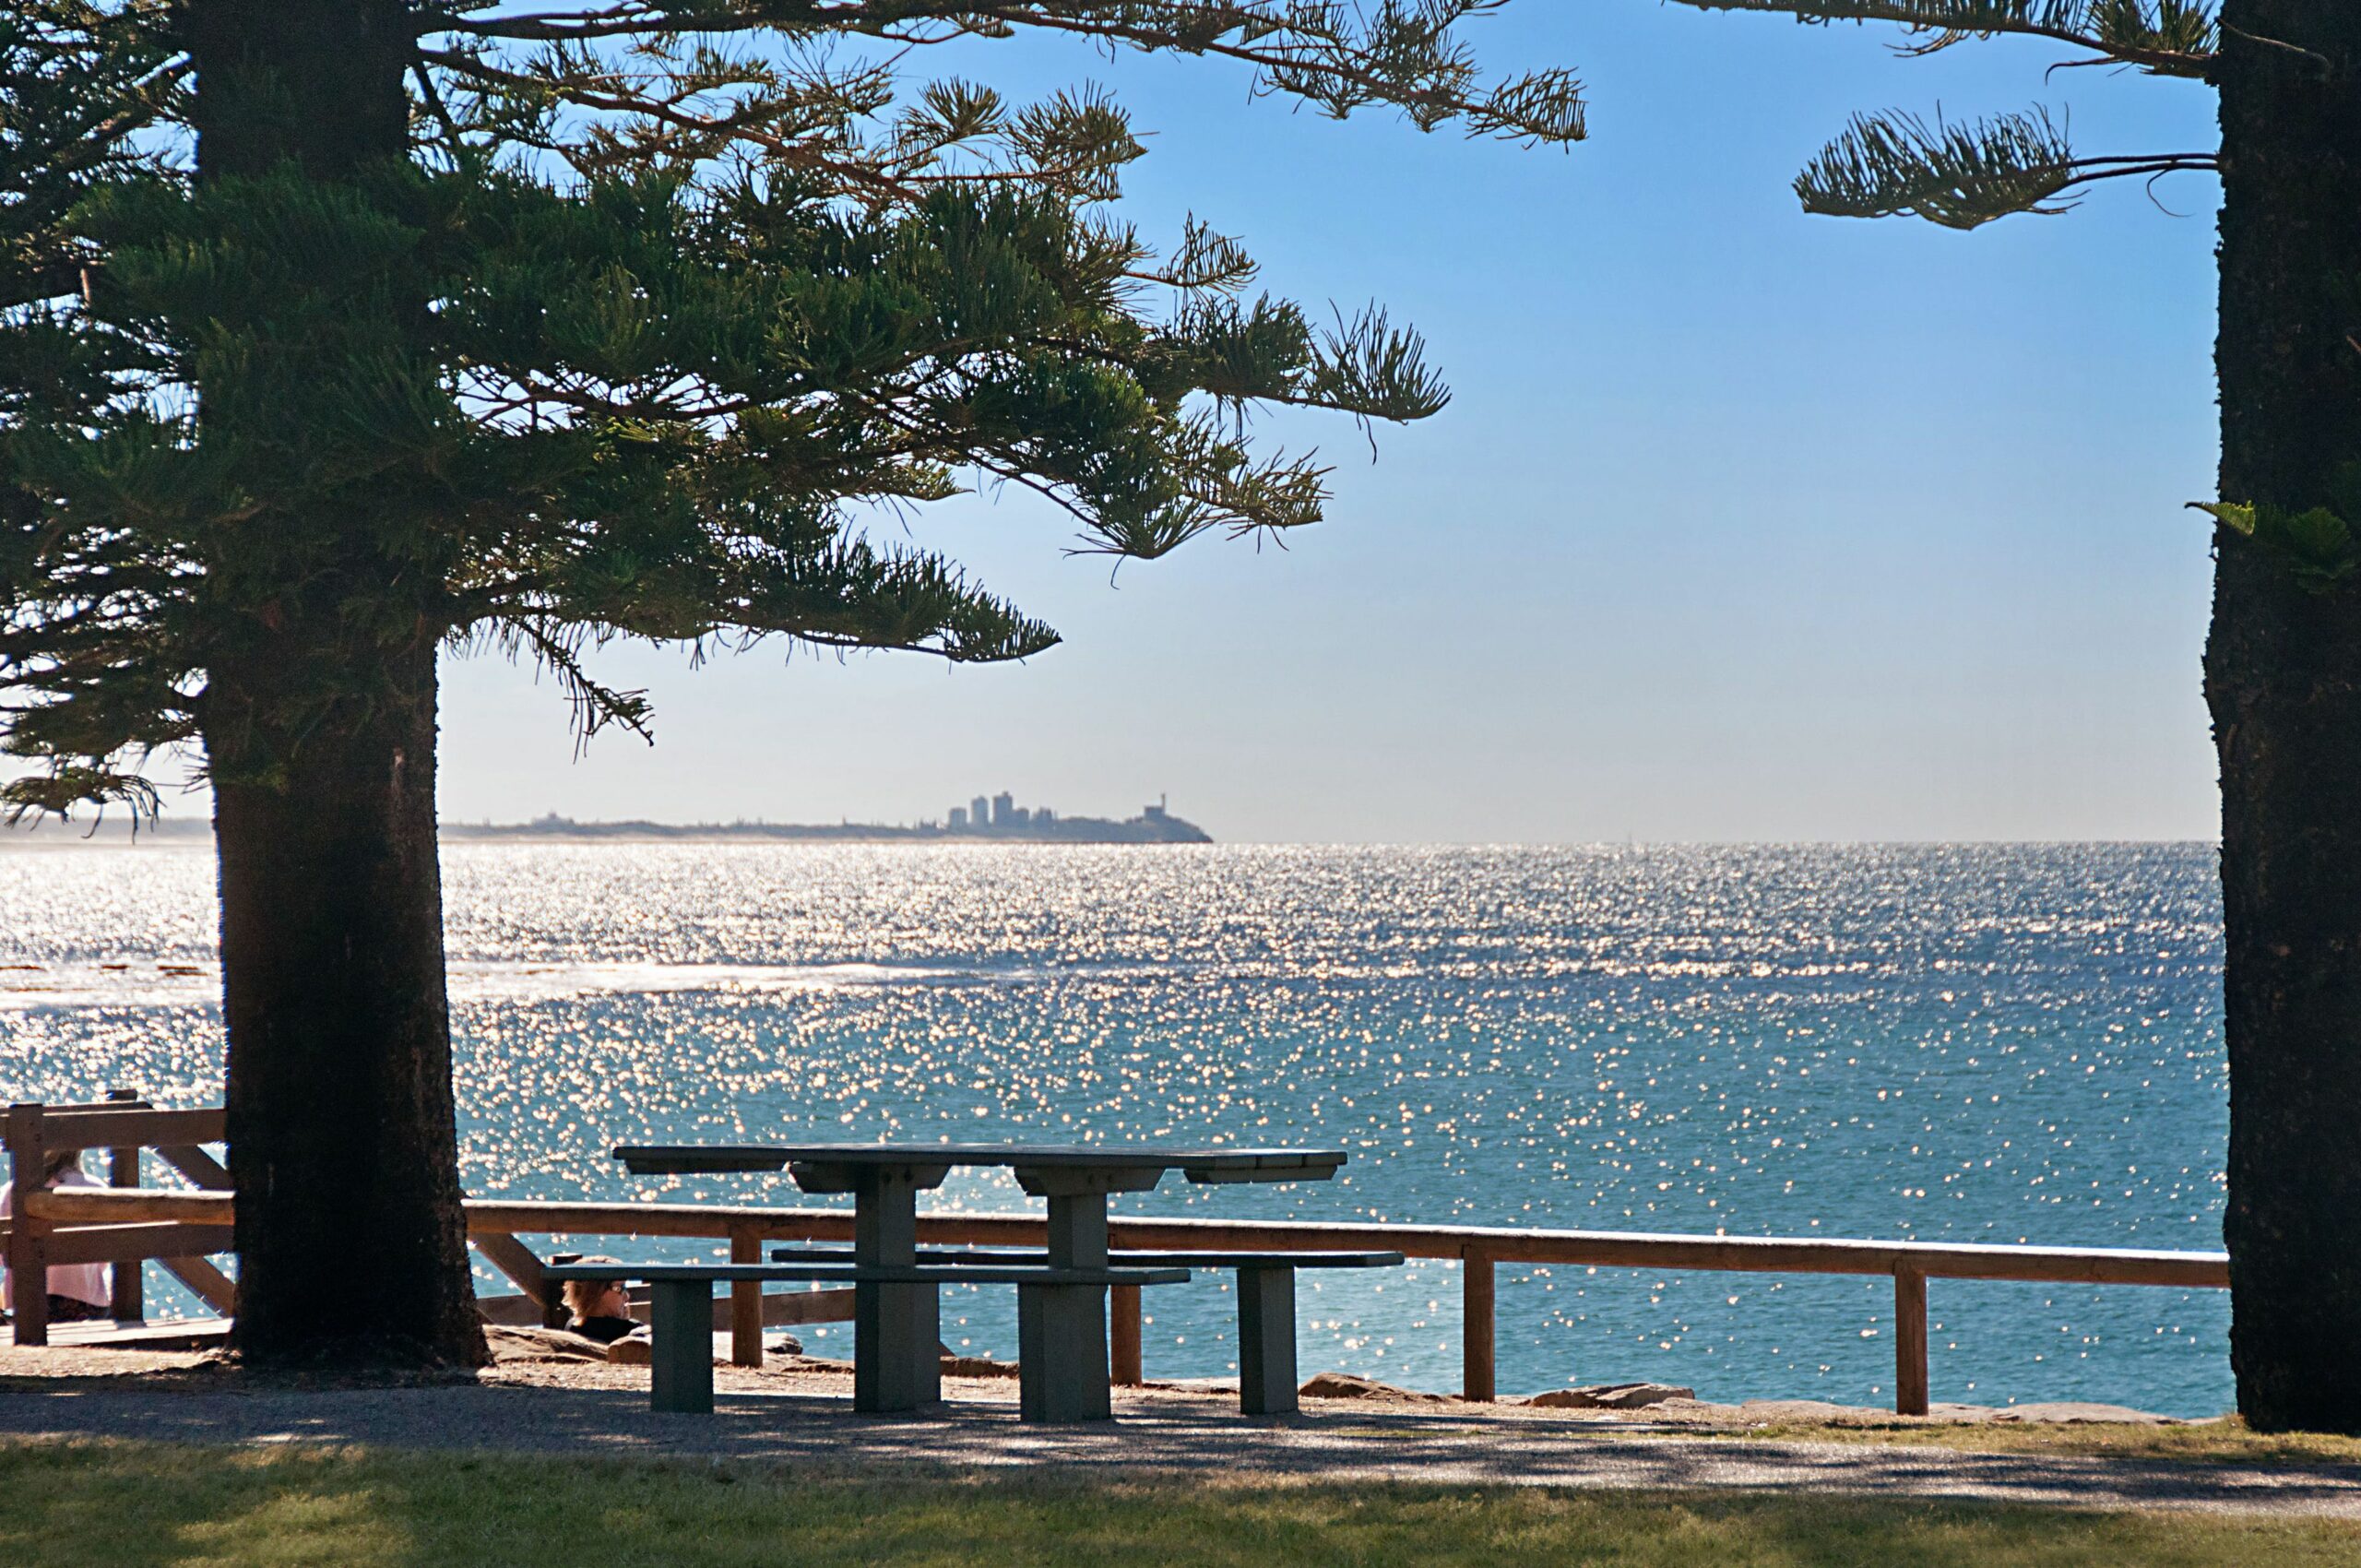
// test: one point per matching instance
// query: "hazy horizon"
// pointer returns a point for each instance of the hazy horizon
(116, 831)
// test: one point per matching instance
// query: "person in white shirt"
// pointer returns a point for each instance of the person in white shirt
(77, 1291)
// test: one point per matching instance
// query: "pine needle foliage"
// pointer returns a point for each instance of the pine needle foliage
(670, 297)
(2166, 37)
(1967, 173)
(1959, 177)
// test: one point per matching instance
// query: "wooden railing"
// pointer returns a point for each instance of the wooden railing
(1478, 1249)
(123, 1125)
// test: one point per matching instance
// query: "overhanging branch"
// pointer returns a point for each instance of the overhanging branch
(2175, 38)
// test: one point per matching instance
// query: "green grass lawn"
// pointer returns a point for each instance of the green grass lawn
(2223, 1442)
(126, 1504)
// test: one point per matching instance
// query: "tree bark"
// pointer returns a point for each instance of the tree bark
(343, 1151)
(2283, 681)
(319, 724)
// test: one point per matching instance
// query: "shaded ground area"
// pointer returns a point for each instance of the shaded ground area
(128, 1505)
(797, 1416)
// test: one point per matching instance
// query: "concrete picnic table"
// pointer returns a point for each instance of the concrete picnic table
(1064, 1326)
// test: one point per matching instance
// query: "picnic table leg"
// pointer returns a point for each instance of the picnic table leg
(1062, 1329)
(1062, 1353)
(1266, 1380)
(1078, 1230)
(898, 1329)
(681, 1375)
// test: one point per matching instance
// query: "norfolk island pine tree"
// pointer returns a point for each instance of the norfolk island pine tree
(337, 333)
(2282, 661)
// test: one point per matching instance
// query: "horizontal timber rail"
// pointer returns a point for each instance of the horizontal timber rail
(1479, 1248)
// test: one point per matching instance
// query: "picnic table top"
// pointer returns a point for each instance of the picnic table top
(1214, 1163)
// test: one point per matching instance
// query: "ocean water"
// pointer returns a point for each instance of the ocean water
(1965, 1044)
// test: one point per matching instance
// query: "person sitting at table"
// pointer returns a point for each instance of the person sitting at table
(77, 1291)
(600, 1309)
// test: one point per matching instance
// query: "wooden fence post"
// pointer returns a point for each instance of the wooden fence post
(126, 1298)
(1123, 1330)
(1909, 1341)
(745, 1300)
(1476, 1316)
(28, 1258)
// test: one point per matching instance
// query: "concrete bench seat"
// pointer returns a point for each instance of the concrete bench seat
(1267, 1376)
(680, 1318)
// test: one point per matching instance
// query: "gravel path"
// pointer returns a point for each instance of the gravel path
(789, 1421)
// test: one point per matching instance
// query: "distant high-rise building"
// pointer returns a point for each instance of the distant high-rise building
(980, 813)
(1043, 816)
(958, 819)
(1003, 809)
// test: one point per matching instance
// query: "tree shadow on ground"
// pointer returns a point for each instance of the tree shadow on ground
(1205, 1437)
(127, 1504)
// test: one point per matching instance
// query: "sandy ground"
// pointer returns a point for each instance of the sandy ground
(796, 1413)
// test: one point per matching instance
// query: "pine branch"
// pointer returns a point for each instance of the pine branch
(79, 83)
(2174, 38)
(556, 646)
(1963, 176)
(1404, 53)
(70, 784)
(1202, 261)
(1371, 368)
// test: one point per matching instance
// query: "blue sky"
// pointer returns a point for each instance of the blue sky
(1743, 524)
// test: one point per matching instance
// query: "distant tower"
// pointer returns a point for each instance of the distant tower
(1155, 811)
(980, 813)
(958, 820)
(1003, 809)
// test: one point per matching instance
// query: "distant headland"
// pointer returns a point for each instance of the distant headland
(998, 819)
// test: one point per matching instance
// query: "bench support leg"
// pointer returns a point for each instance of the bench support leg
(897, 1356)
(898, 1329)
(1266, 1379)
(680, 1378)
(1062, 1353)
(1062, 1329)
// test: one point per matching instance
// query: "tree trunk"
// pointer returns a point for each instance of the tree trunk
(318, 719)
(2283, 681)
(351, 1242)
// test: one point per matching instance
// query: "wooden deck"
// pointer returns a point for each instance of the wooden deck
(133, 1334)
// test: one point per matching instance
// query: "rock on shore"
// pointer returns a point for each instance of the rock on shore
(1608, 1397)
